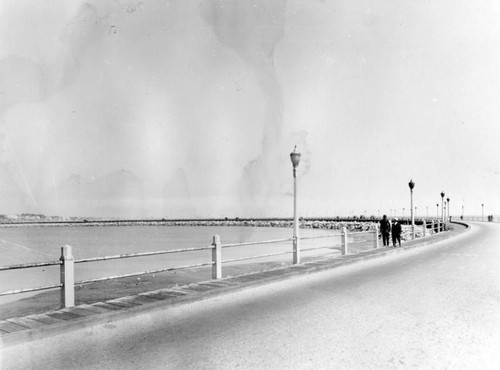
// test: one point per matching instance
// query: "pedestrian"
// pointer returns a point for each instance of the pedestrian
(396, 233)
(385, 230)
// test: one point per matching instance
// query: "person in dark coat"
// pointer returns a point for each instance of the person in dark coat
(396, 233)
(385, 230)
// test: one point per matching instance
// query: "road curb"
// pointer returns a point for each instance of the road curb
(32, 327)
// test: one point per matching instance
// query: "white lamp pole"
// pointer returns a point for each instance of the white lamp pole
(442, 206)
(295, 158)
(411, 184)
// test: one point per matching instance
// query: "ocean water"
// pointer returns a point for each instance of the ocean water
(20, 245)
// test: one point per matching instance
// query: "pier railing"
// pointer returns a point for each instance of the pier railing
(67, 261)
(488, 218)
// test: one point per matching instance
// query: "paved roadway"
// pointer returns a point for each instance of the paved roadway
(433, 307)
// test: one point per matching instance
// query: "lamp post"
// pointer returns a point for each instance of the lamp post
(462, 211)
(411, 184)
(437, 210)
(482, 212)
(448, 202)
(442, 206)
(295, 158)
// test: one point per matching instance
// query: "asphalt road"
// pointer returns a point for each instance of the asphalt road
(436, 307)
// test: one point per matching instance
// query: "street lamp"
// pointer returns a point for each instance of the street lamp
(442, 206)
(482, 212)
(437, 210)
(295, 158)
(411, 184)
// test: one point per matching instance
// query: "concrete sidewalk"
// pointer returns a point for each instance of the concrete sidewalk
(31, 327)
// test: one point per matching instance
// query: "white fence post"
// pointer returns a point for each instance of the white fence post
(344, 241)
(216, 258)
(296, 249)
(375, 234)
(67, 277)
(425, 227)
(433, 230)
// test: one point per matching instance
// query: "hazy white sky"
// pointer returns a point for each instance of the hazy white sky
(191, 108)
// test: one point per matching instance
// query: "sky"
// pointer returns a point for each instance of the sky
(190, 108)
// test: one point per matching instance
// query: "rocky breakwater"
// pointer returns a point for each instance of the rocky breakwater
(352, 226)
(303, 224)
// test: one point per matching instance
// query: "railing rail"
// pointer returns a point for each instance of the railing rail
(140, 254)
(363, 232)
(256, 243)
(322, 247)
(254, 257)
(30, 265)
(28, 290)
(66, 262)
(320, 236)
(83, 282)
(487, 218)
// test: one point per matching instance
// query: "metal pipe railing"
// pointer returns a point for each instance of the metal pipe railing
(140, 254)
(30, 265)
(322, 247)
(258, 256)
(255, 243)
(83, 282)
(318, 236)
(28, 290)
